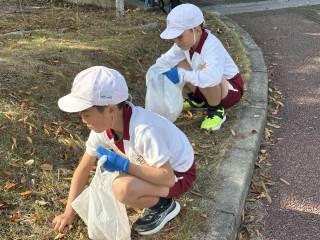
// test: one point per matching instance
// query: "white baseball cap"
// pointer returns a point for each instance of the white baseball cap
(183, 17)
(95, 86)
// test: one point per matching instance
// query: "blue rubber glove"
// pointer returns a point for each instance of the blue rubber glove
(173, 75)
(113, 162)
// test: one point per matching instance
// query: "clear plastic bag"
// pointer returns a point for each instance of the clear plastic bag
(104, 215)
(163, 96)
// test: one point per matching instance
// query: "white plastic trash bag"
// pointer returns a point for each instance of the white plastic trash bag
(163, 96)
(97, 206)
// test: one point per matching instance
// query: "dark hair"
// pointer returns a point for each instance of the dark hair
(201, 26)
(101, 108)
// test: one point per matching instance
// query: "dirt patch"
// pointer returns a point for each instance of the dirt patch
(42, 47)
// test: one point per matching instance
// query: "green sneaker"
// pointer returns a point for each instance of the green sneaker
(192, 105)
(214, 121)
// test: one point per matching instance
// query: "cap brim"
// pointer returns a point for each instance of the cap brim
(171, 33)
(73, 104)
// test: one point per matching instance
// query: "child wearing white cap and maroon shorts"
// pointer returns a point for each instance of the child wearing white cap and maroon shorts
(154, 157)
(212, 78)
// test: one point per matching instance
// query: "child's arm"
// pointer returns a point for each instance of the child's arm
(163, 175)
(171, 58)
(185, 65)
(78, 183)
(210, 72)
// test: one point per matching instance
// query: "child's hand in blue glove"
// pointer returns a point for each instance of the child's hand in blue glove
(173, 75)
(113, 161)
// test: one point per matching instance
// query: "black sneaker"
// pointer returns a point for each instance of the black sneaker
(189, 104)
(153, 220)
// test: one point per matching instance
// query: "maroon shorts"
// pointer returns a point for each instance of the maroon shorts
(184, 182)
(233, 97)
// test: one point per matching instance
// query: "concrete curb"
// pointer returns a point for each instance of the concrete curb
(234, 173)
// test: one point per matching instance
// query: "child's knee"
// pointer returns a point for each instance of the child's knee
(121, 189)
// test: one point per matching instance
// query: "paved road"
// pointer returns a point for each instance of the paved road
(218, 3)
(228, 7)
(290, 41)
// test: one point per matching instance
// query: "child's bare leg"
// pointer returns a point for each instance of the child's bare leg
(215, 94)
(215, 111)
(188, 88)
(137, 193)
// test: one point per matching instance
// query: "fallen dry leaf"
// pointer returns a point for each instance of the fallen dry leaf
(9, 115)
(203, 215)
(14, 145)
(30, 130)
(29, 139)
(6, 172)
(41, 202)
(15, 217)
(262, 158)
(23, 119)
(8, 185)
(233, 133)
(258, 233)
(23, 180)
(284, 181)
(280, 103)
(169, 229)
(26, 193)
(263, 151)
(31, 124)
(266, 192)
(29, 162)
(267, 133)
(273, 125)
(14, 165)
(46, 167)
(196, 193)
(24, 104)
(205, 145)
(189, 114)
(4, 204)
(59, 236)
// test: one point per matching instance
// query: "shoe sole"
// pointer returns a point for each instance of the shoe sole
(169, 217)
(217, 127)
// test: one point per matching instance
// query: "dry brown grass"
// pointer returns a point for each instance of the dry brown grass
(38, 68)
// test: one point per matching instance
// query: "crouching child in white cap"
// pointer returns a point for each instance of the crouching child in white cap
(154, 156)
(212, 78)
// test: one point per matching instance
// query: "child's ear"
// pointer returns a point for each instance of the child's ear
(199, 29)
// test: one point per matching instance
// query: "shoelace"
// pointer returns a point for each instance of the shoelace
(149, 214)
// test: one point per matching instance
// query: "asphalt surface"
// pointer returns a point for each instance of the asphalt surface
(202, 3)
(290, 41)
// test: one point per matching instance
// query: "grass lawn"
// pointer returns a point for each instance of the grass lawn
(40, 145)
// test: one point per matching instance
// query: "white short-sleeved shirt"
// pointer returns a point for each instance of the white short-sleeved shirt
(211, 63)
(147, 138)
